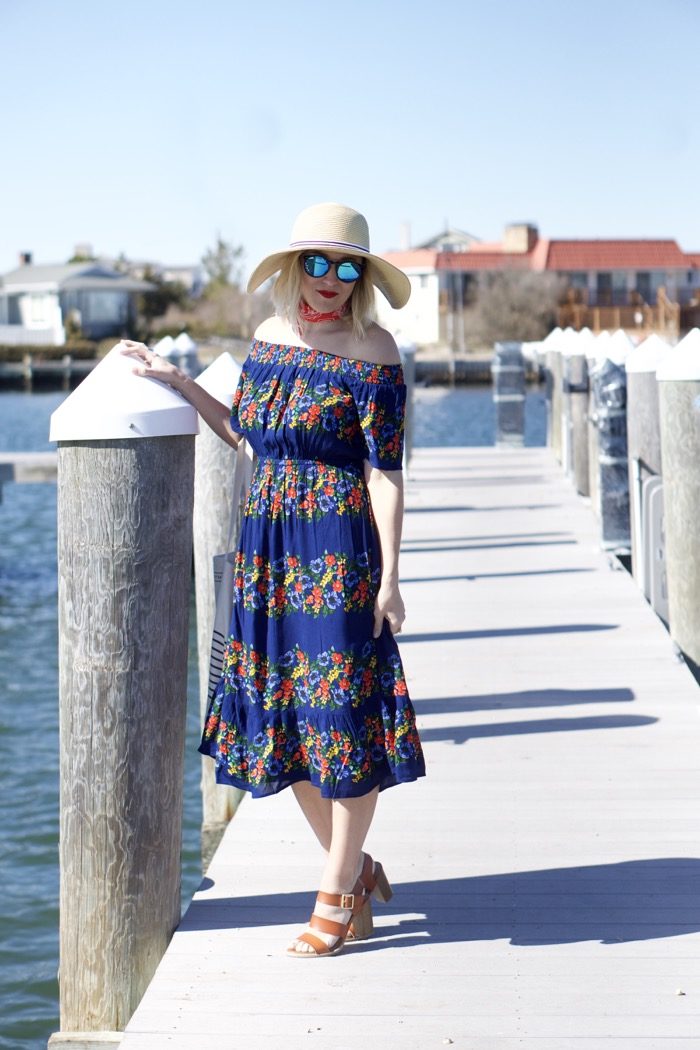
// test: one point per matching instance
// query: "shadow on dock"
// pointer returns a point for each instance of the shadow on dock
(637, 900)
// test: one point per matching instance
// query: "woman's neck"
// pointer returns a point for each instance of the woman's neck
(308, 315)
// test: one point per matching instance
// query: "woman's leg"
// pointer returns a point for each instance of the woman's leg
(352, 818)
(350, 821)
(317, 811)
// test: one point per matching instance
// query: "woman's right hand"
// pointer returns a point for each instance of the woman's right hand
(152, 365)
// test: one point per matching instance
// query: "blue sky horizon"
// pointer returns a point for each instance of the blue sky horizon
(150, 128)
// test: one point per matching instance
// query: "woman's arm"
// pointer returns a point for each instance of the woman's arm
(386, 496)
(213, 412)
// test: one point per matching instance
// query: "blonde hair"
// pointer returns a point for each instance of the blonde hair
(286, 295)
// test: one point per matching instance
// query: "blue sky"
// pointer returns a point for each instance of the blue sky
(149, 127)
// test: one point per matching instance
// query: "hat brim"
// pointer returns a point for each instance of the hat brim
(391, 282)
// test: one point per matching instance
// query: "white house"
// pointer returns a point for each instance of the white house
(419, 321)
(36, 301)
(613, 281)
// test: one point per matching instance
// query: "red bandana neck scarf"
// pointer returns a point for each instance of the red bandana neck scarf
(307, 313)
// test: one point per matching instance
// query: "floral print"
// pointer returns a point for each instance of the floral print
(328, 679)
(307, 692)
(333, 752)
(286, 585)
(300, 405)
(305, 357)
(306, 491)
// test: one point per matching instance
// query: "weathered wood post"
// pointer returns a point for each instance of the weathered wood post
(609, 387)
(551, 352)
(214, 482)
(575, 408)
(578, 389)
(679, 397)
(596, 354)
(643, 440)
(508, 374)
(125, 485)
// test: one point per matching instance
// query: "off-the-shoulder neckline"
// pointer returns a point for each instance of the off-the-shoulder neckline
(361, 361)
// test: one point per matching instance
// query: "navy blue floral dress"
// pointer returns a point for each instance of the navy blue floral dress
(307, 693)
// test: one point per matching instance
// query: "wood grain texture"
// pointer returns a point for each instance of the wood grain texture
(215, 465)
(643, 440)
(124, 566)
(680, 452)
(577, 410)
(555, 370)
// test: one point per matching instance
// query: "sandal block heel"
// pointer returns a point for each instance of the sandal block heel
(382, 889)
(362, 925)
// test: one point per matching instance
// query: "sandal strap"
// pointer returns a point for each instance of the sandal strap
(319, 946)
(336, 929)
(346, 901)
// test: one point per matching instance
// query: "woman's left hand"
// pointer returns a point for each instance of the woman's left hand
(151, 365)
(388, 606)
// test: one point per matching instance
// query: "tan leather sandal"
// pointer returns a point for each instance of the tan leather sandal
(373, 883)
(358, 917)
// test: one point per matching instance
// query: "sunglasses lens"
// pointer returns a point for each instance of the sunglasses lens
(348, 270)
(316, 265)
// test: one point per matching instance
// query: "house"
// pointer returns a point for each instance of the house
(36, 302)
(636, 284)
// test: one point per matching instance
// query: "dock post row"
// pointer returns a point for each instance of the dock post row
(643, 447)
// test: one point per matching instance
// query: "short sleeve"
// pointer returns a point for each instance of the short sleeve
(381, 409)
(235, 406)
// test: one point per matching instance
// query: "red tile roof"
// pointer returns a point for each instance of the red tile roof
(555, 255)
(615, 255)
(425, 258)
(472, 261)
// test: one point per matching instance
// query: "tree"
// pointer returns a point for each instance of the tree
(512, 305)
(164, 294)
(222, 265)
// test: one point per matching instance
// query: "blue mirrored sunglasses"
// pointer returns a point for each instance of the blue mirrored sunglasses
(348, 270)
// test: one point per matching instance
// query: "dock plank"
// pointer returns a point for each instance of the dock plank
(546, 871)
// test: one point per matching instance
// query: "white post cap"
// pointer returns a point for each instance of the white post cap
(220, 379)
(619, 347)
(113, 403)
(553, 341)
(184, 343)
(648, 355)
(683, 362)
(164, 346)
(597, 348)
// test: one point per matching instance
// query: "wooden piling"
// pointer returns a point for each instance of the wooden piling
(679, 399)
(125, 492)
(215, 466)
(219, 474)
(554, 372)
(643, 436)
(576, 414)
(124, 563)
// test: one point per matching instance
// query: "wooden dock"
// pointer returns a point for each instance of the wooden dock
(28, 466)
(546, 871)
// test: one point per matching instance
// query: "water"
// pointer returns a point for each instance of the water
(465, 416)
(29, 752)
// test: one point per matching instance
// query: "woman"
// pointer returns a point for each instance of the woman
(313, 694)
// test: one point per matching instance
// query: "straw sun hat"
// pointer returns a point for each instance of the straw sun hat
(336, 228)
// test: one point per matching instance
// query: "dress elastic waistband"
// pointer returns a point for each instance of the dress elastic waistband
(298, 461)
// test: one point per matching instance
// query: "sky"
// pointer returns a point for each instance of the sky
(150, 127)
